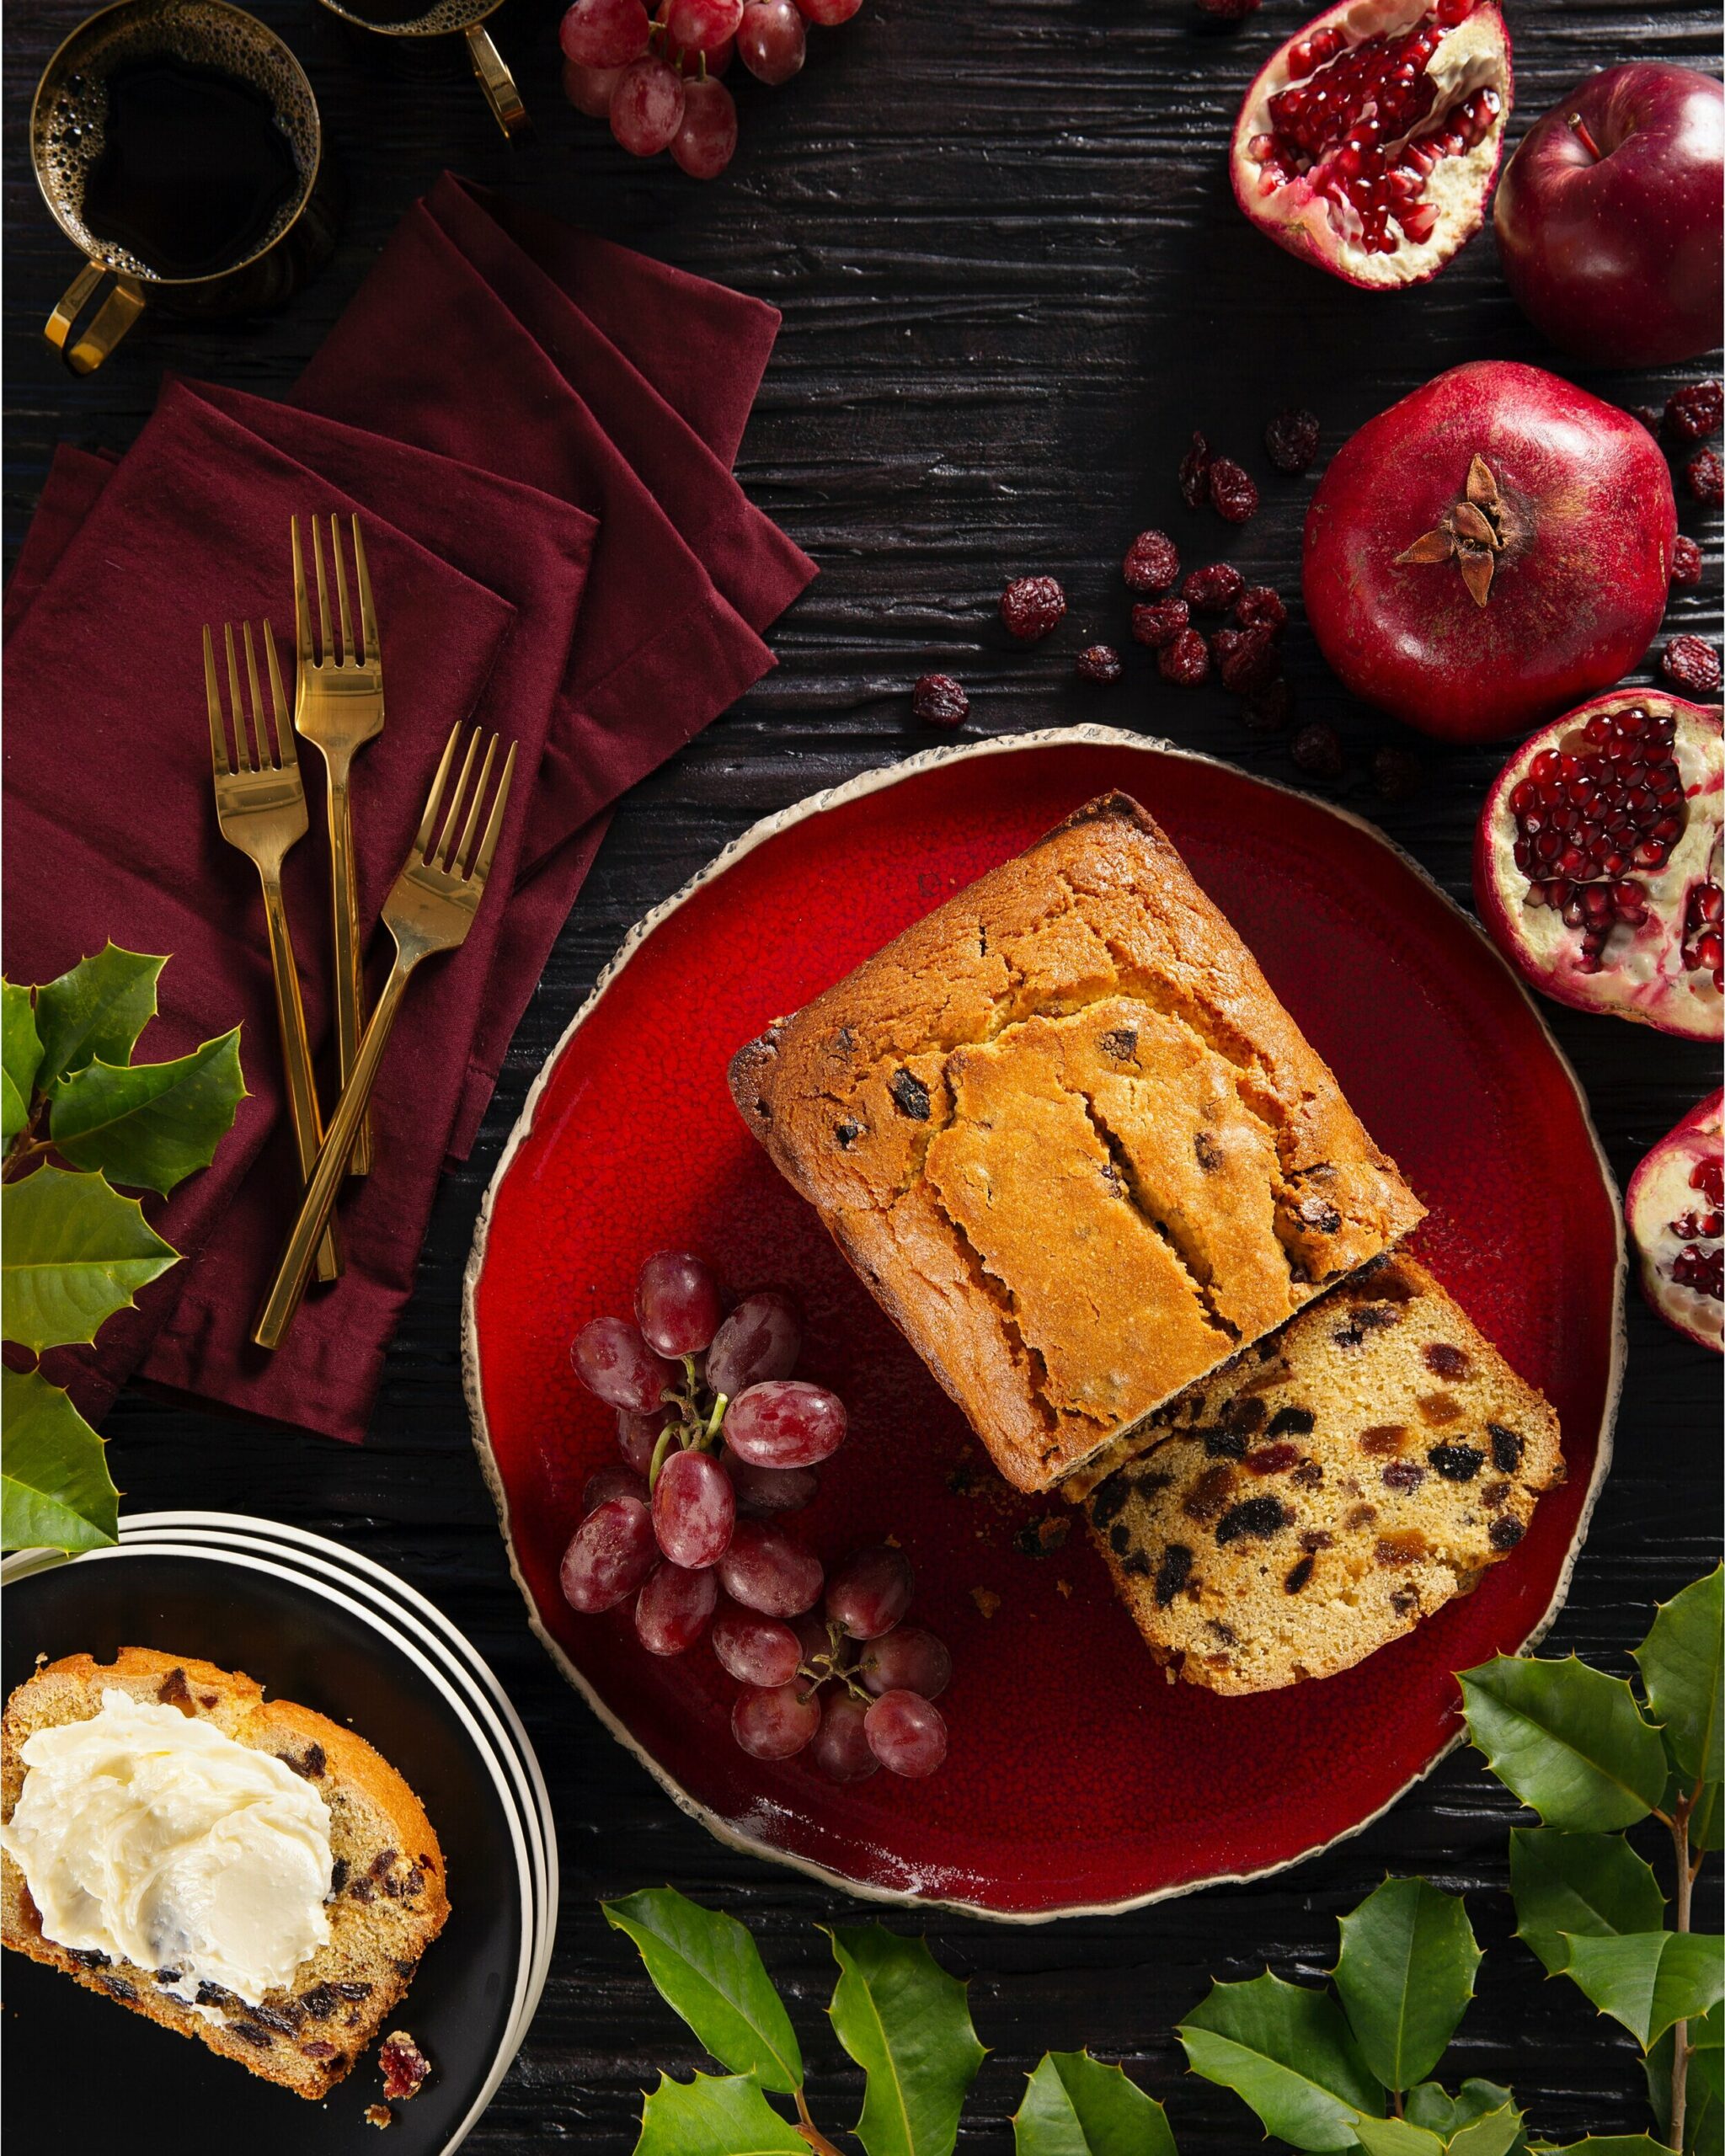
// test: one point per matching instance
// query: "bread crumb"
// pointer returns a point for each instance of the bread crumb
(986, 1600)
(1065, 1587)
(379, 2115)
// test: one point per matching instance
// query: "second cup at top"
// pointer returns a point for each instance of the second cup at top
(413, 18)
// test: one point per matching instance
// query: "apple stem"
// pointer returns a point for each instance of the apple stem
(1587, 141)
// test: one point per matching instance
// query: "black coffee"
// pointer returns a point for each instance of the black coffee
(195, 173)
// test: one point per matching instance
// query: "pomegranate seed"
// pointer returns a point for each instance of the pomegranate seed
(1708, 1177)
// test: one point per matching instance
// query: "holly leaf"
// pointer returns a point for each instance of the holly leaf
(1680, 1661)
(706, 1967)
(1647, 1980)
(1568, 1740)
(55, 1489)
(1405, 1974)
(1578, 1886)
(714, 2115)
(22, 1059)
(1707, 1822)
(1075, 2105)
(1612, 2144)
(150, 1125)
(1286, 2050)
(907, 2025)
(1429, 2105)
(1395, 2138)
(1495, 2133)
(97, 1010)
(75, 1252)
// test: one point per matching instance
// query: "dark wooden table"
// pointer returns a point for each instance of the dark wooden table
(1012, 281)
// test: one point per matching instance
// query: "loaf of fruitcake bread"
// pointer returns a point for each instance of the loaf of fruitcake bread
(314, 1840)
(1072, 1141)
(1326, 1490)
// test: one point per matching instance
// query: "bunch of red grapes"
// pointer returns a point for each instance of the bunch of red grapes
(718, 1442)
(657, 81)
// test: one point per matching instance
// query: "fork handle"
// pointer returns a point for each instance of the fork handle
(319, 1199)
(296, 1056)
(349, 979)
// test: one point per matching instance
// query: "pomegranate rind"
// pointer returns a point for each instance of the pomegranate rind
(1296, 215)
(1659, 1194)
(1577, 593)
(1645, 979)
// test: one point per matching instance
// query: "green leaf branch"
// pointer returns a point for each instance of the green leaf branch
(81, 1122)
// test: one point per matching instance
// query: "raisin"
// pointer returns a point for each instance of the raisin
(1402, 1475)
(285, 2020)
(1308, 1476)
(910, 1095)
(1152, 563)
(1099, 662)
(319, 2002)
(338, 1876)
(1213, 588)
(937, 700)
(1507, 1448)
(1222, 1445)
(1291, 440)
(89, 1957)
(362, 1890)
(118, 1987)
(319, 2049)
(1137, 1566)
(1374, 1317)
(1119, 1538)
(1397, 773)
(1270, 710)
(1107, 1502)
(352, 1990)
(1031, 607)
(1206, 1151)
(1706, 476)
(173, 1691)
(1259, 607)
(1495, 1496)
(1186, 660)
(1685, 560)
(1318, 1213)
(1295, 1422)
(1119, 1042)
(311, 1767)
(1300, 1574)
(1194, 474)
(1506, 1533)
(250, 2032)
(1360, 1516)
(1209, 1495)
(1444, 1361)
(1243, 1414)
(1690, 663)
(1317, 1538)
(1172, 1573)
(1257, 1516)
(1161, 622)
(1041, 1538)
(1405, 1601)
(1693, 413)
(1272, 1460)
(1248, 659)
(1232, 494)
(1347, 1335)
(847, 1133)
(1318, 750)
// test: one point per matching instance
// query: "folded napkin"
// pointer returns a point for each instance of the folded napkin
(537, 426)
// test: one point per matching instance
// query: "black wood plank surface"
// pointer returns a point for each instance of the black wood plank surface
(1013, 281)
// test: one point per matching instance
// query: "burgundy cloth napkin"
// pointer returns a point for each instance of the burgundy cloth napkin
(553, 419)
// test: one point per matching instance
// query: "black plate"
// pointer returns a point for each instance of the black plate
(84, 2073)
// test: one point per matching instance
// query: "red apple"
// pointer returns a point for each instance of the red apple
(1608, 218)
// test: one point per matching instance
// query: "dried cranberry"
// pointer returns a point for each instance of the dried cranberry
(1706, 476)
(1270, 710)
(1685, 562)
(939, 700)
(1160, 624)
(1318, 749)
(1647, 416)
(1185, 660)
(1152, 563)
(1693, 413)
(1691, 663)
(1291, 440)
(1397, 773)
(1246, 658)
(1258, 607)
(1213, 590)
(405, 2065)
(1031, 605)
(1099, 662)
(1194, 474)
(1233, 493)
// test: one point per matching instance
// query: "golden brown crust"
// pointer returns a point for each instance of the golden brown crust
(308, 2037)
(1066, 1134)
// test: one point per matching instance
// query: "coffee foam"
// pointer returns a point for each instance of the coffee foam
(69, 125)
(448, 15)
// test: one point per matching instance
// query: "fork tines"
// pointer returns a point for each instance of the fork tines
(254, 752)
(364, 652)
(445, 840)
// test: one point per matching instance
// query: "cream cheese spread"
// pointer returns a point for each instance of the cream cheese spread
(154, 1837)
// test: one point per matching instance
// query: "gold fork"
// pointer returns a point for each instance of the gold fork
(261, 805)
(339, 707)
(430, 908)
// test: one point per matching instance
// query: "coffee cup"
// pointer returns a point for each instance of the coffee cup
(177, 145)
(405, 19)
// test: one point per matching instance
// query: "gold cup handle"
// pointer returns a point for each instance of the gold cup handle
(496, 81)
(105, 318)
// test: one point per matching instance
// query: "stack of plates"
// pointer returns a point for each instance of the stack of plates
(314, 1623)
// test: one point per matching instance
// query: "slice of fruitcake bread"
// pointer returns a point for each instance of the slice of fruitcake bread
(386, 1901)
(1340, 1481)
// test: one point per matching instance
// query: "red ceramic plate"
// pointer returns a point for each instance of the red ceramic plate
(1079, 1777)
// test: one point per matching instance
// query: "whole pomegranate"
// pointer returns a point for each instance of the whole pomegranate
(1369, 143)
(1676, 1212)
(1489, 550)
(1596, 862)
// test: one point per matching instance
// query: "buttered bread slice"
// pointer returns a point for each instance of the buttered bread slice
(249, 1840)
(1328, 1490)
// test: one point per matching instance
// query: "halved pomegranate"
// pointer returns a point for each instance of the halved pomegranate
(1676, 1212)
(1596, 865)
(1370, 142)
